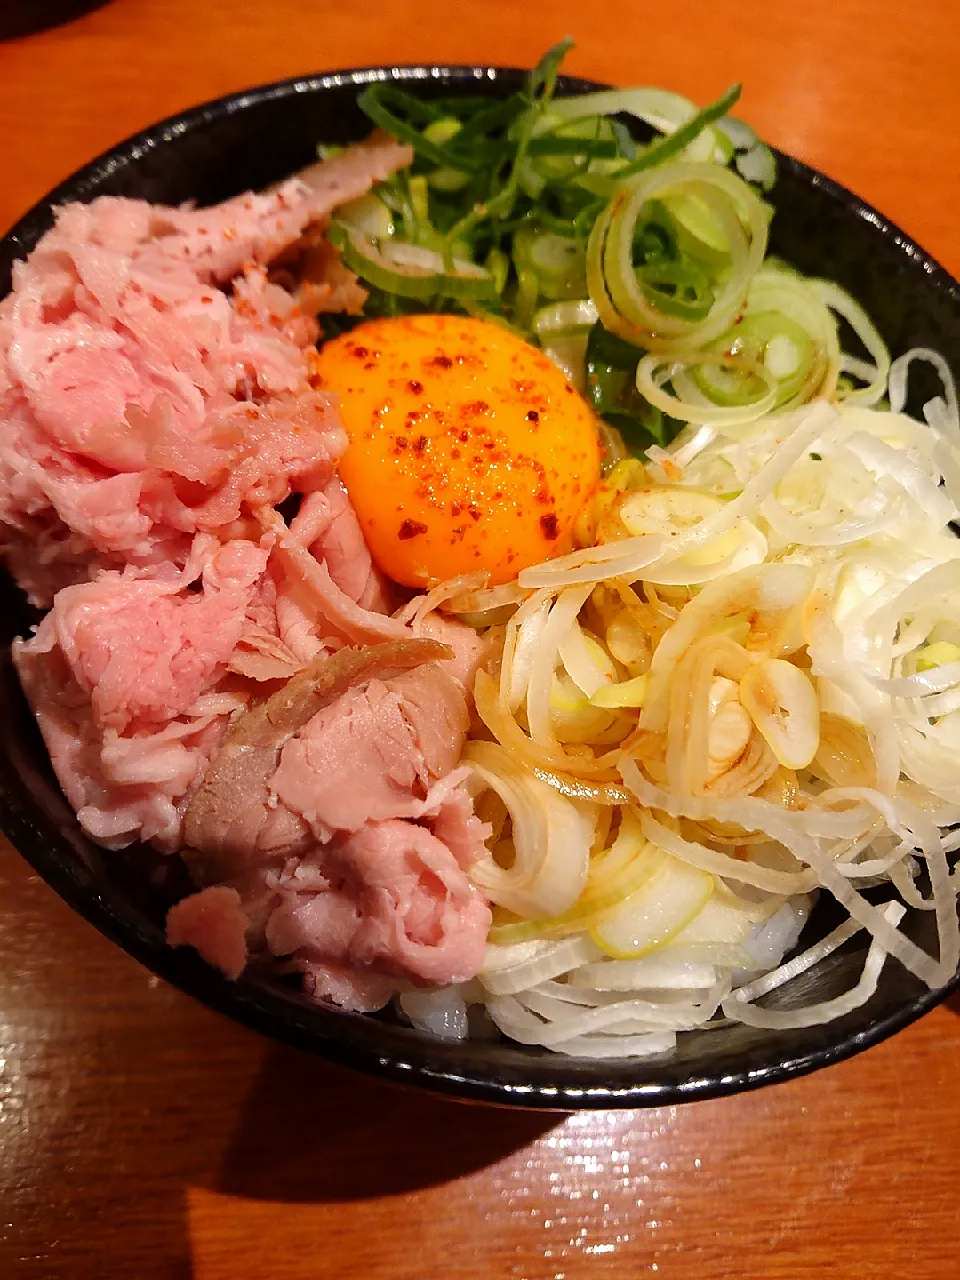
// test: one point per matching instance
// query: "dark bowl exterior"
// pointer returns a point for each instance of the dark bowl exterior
(250, 140)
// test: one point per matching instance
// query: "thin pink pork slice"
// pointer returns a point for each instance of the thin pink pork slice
(469, 649)
(347, 986)
(345, 618)
(213, 923)
(256, 227)
(124, 676)
(328, 912)
(217, 241)
(138, 402)
(420, 916)
(449, 813)
(328, 524)
(397, 904)
(145, 649)
(151, 414)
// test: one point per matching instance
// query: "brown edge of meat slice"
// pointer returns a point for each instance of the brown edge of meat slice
(248, 754)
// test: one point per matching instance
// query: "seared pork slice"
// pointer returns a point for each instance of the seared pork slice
(218, 241)
(335, 815)
(236, 809)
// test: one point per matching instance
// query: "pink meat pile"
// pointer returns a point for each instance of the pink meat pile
(211, 676)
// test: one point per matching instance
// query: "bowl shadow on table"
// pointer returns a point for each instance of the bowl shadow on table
(311, 1132)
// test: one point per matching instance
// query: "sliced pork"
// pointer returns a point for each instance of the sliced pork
(214, 923)
(219, 673)
(309, 810)
(373, 754)
(139, 403)
(468, 649)
(346, 618)
(134, 417)
(236, 818)
(313, 273)
(396, 902)
(384, 906)
(328, 525)
(217, 242)
(125, 675)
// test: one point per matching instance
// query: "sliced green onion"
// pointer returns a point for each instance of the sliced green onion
(753, 158)
(498, 264)
(775, 340)
(680, 138)
(697, 230)
(442, 130)
(557, 262)
(655, 371)
(617, 288)
(662, 110)
(400, 113)
(410, 270)
(564, 318)
(839, 300)
(563, 329)
(368, 214)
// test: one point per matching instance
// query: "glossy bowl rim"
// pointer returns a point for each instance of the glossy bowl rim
(254, 1005)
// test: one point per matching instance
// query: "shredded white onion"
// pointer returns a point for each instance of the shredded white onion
(797, 733)
(441, 1013)
(737, 1007)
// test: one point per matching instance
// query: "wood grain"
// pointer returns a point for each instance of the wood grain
(142, 1136)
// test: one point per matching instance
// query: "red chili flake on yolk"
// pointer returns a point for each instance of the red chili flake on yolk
(441, 362)
(533, 416)
(420, 444)
(414, 387)
(412, 529)
(548, 526)
(361, 353)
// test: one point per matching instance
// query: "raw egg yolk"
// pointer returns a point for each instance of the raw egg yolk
(468, 447)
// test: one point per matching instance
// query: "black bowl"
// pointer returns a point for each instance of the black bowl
(252, 139)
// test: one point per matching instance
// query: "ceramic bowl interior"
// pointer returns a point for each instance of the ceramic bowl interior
(253, 139)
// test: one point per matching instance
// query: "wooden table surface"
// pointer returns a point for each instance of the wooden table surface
(142, 1136)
